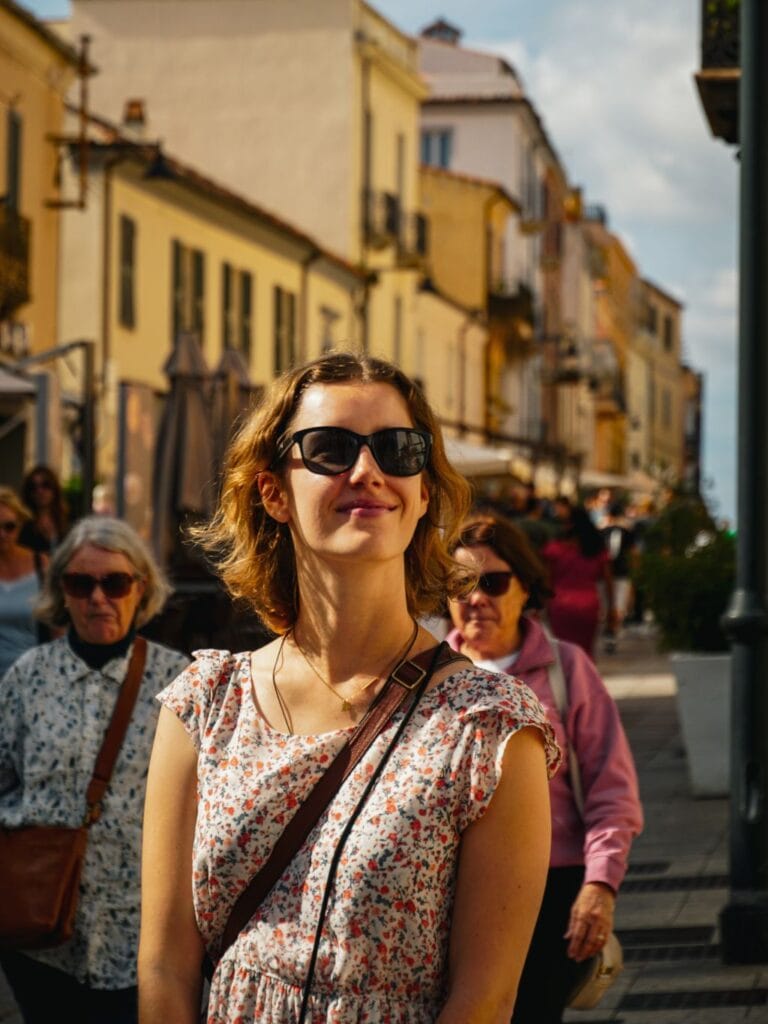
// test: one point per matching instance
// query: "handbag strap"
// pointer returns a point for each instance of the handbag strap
(115, 734)
(409, 675)
(559, 690)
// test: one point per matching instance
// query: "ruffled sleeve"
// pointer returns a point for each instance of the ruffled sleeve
(495, 707)
(193, 695)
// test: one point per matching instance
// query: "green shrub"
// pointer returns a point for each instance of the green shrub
(688, 591)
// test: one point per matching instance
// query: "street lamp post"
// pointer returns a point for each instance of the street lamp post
(744, 919)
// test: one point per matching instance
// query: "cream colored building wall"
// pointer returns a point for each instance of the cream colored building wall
(163, 213)
(491, 143)
(259, 93)
(34, 77)
(457, 236)
(666, 380)
(450, 362)
(639, 425)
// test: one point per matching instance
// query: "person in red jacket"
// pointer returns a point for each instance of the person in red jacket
(496, 626)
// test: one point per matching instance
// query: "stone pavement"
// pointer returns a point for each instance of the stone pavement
(668, 908)
(667, 912)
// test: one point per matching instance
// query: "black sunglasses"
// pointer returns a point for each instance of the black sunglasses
(398, 451)
(82, 584)
(8, 526)
(494, 584)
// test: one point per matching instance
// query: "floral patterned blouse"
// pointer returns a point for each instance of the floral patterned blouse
(54, 711)
(384, 944)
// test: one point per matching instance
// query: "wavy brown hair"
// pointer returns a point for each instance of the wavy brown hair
(511, 544)
(253, 553)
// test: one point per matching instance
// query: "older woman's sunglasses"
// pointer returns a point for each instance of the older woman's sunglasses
(82, 584)
(398, 451)
(495, 584)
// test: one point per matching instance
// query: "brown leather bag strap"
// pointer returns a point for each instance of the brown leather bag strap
(115, 734)
(408, 674)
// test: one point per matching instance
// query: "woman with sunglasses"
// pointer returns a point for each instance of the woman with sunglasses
(42, 493)
(20, 575)
(497, 627)
(55, 705)
(335, 497)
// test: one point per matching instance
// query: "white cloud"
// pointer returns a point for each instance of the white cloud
(615, 88)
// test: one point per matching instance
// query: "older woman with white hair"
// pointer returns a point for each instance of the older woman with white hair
(56, 702)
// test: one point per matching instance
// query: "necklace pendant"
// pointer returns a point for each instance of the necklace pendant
(346, 706)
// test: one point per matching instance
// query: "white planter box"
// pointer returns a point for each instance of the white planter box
(704, 706)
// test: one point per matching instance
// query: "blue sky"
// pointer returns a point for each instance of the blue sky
(614, 85)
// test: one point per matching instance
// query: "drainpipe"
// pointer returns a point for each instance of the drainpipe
(744, 919)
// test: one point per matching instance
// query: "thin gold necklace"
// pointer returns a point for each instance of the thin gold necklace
(347, 702)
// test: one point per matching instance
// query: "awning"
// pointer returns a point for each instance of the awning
(13, 385)
(478, 459)
(637, 482)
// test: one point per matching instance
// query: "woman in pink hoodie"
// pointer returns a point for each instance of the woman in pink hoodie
(589, 851)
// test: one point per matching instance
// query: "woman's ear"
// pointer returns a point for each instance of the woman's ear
(273, 497)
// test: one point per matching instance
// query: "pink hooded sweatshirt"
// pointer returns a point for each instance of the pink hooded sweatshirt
(612, 811)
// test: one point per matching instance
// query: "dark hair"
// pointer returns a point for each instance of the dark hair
(59, 509)
(511, 544)
(587, 535)
(253, 553)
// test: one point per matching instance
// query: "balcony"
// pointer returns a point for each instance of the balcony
(511, 318)
(14, 261)
(718, 79)
(383, 219)
(413, 243)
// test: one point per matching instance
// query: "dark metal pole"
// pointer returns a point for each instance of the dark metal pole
(88, 426)
(744, 919)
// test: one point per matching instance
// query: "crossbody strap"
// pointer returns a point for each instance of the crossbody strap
(115, 734)
(559, 690)
(409, 675)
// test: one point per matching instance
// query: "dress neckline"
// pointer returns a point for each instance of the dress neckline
(321, 736)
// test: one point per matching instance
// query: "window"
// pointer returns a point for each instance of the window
(653, 318)
(666, 408)
(187, 290)
(437, 146)
(669, 334)
(13, 161)
(328, 320)
(397, 332)
(227, 307)
(127, 297)
(246, 309)
(284, 329)
(236, 309)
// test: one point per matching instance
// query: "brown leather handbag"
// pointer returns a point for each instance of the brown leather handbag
(40, 865)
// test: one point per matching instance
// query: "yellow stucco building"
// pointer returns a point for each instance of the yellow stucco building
(160, 249)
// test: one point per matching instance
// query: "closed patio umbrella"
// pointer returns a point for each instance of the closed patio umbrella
(233, 395)
(184, 467)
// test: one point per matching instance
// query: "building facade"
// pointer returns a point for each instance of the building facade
(314, 116)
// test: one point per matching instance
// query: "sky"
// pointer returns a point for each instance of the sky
(613, 83)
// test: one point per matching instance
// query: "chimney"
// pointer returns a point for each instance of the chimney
(134, 119)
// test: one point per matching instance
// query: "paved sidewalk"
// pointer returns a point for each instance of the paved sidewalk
(668, 908)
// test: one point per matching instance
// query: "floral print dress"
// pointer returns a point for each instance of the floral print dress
(383, 952)
(54, 711)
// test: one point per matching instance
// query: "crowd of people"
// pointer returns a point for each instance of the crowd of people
(465, 863)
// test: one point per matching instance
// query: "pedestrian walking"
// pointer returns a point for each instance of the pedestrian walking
(42, 494)
(620, 545)
(21, 572)
(497, 626)
(578, 565)
(56, 702)
(337, 506)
